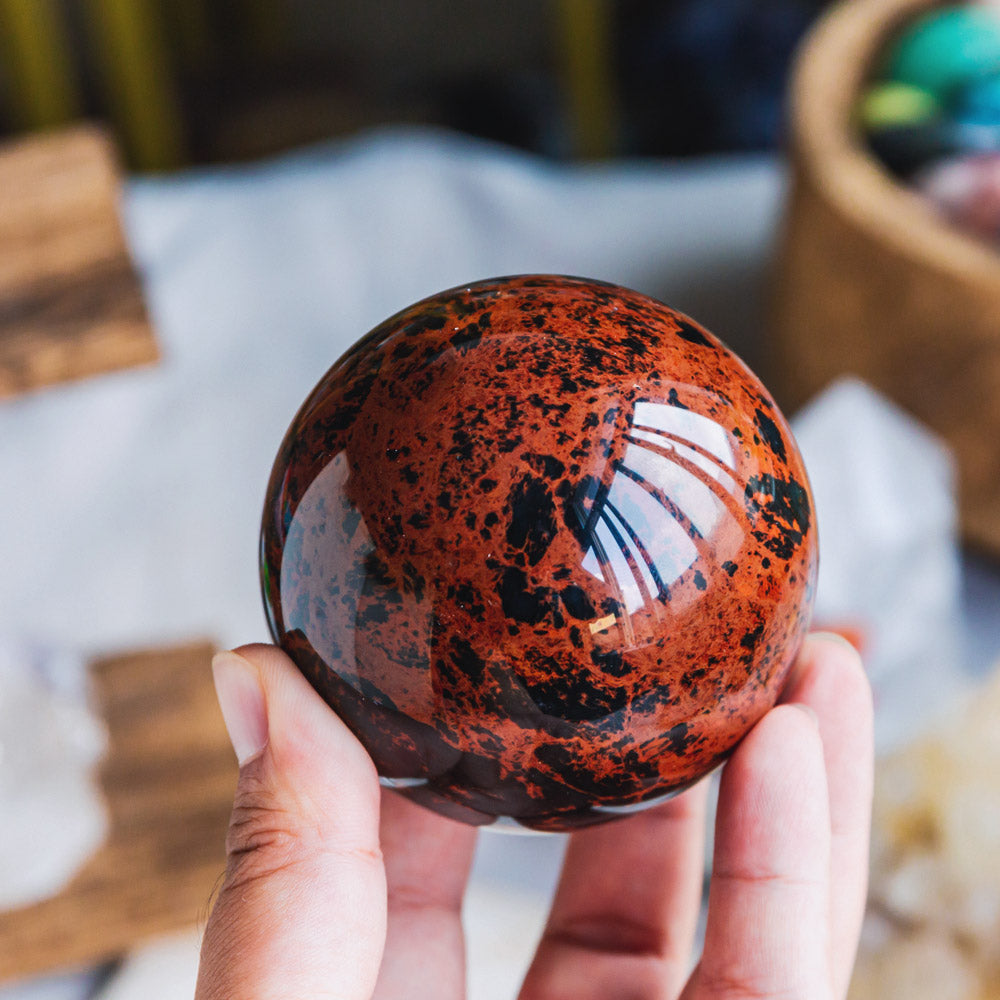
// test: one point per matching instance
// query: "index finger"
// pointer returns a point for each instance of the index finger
(831, 680)
(768, 902)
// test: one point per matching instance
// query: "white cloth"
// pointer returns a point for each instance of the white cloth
(130, 502)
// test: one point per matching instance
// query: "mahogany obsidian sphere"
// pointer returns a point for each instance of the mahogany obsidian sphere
(547, 547)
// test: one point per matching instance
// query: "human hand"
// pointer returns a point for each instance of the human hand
(325, 898)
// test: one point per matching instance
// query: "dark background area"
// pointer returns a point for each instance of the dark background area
(201, 81)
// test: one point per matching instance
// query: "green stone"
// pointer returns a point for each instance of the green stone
(888, 104)
(946, 50)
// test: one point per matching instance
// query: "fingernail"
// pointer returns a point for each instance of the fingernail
(807, 710)
(241, 698)
(834, 637)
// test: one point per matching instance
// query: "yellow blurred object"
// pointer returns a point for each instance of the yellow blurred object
(37, 63)
(585, 36)
(132, 57)
(136, 66)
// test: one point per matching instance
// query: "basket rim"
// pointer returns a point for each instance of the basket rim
(832, 66)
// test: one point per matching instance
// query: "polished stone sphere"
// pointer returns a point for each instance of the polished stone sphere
(546, 545)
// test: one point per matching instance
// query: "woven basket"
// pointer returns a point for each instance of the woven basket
(870, 281)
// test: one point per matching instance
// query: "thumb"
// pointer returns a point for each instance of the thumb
(301, 911)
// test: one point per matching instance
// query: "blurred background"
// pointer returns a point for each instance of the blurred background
(203, 203)
(208, 81)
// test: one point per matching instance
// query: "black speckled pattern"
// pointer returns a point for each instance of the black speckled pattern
(545, 544)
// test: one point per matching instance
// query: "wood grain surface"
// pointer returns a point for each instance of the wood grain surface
(168, 779)
(71, 303)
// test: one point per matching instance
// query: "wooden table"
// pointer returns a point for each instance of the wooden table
(168, 778)
(71, 303)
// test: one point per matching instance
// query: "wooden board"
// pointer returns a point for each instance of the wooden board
(169, 779)
(71, 303)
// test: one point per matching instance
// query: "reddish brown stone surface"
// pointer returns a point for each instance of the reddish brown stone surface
(545, 544)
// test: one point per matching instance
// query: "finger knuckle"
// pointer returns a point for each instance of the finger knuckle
(726, 984)
(263, 838)
(268, 837)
